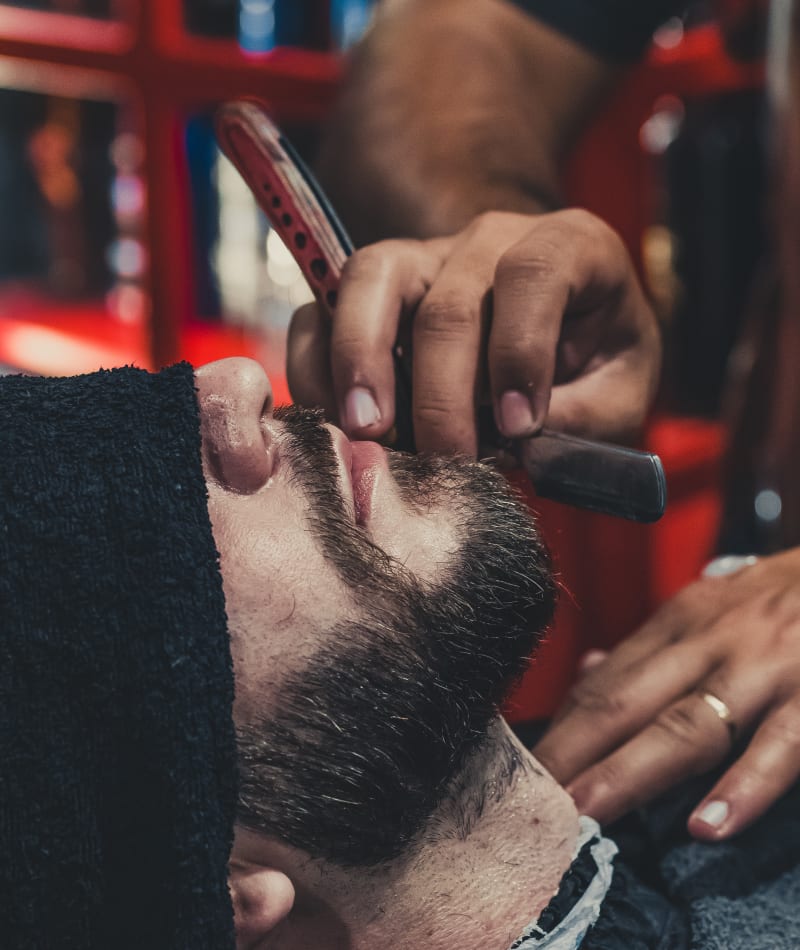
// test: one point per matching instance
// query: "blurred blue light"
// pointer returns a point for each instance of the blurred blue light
(257, 25)
(349, 20)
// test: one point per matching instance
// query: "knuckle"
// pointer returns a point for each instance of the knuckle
(581, 219)
(436, 416)
(446, 315)
(489, 222)
(372, 263)
(685, 608)
(775, 613)
(786, 639)
(535, 257)
(590, 225)
(597, 701)
(361, 261)
(783, 605)
(485, 220)
(680, 725)
(590, 235)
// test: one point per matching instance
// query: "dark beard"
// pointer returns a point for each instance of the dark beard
(364, 741)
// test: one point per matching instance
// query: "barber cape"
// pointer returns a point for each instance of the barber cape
(117, 750)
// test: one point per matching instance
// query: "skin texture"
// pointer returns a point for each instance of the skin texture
(282, 594)
(635, 723)
(478, 893)
(450, 109)
(253, 499)
(542, 312)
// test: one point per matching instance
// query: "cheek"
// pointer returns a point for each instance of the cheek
(279, 592)
(426, 544)
(260, 567)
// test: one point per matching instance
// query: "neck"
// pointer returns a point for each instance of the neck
(473, 882)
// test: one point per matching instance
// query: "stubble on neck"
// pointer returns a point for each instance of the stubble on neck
(490, 860)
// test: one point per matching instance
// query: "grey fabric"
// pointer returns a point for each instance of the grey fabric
(741, 894)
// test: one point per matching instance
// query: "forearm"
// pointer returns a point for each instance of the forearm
(451, 108)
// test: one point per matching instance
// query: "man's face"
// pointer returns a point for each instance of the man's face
(282, 587)
(378, 605)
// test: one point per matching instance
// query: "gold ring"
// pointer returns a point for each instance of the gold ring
(721, 708)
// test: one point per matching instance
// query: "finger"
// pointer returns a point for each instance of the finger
(308, 370)
(608, 709)
(531, 293)
(569, 264)
(688, 738)
(448, 334)
(695, 610)
(768, 768)
(379, 284)
(610, 400)
(685, 740)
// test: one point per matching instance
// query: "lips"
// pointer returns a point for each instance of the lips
(359, 465)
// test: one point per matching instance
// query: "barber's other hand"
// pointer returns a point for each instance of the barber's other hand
(636, 723)
(543, 311)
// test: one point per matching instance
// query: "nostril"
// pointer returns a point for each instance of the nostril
(235, 399)
(240, 450)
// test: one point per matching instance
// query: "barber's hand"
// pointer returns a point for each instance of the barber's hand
(545, 312)
(637, 723)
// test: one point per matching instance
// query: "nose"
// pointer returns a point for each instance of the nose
(235, 397)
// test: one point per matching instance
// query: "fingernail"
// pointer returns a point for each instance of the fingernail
(360, 409)
(712, 813)
(516, 415)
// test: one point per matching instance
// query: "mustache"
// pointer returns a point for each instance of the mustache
(361, 564)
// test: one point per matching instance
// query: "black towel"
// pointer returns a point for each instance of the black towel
(117, 751)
